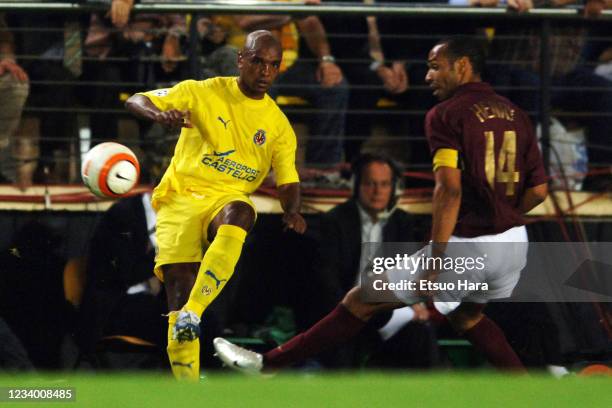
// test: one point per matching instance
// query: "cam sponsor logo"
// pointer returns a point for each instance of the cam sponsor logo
(225, 123)
(260, 137)
(218, 282)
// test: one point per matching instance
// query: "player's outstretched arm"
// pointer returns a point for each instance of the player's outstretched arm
(445, 204)
(142, 107)
(290, 199)
(533, 197)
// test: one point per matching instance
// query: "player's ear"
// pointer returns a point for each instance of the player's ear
(463, 66)
(240, 59)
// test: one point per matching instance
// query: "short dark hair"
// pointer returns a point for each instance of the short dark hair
(472, 47)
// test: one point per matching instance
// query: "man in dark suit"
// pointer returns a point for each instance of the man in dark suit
(371, 216)
(122, 296)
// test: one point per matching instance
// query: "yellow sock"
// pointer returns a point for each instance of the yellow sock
(217, 267)
(184, 357)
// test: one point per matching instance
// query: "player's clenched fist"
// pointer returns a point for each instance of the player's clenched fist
(174, 118)
(295, 222)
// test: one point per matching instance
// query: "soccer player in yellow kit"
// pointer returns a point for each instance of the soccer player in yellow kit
(232, 133)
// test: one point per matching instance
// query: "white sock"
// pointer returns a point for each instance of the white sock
(399, 319)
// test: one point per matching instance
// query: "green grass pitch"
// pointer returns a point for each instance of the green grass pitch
(449, 389)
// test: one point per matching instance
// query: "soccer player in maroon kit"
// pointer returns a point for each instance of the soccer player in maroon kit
(488, 173)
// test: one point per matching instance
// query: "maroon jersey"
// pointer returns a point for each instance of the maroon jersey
(498, 155)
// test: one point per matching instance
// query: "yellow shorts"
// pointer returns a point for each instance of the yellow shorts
(182, 226)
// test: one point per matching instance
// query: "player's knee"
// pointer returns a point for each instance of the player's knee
(351, 297)
(353, 303)
(241, 215)
(236, 213)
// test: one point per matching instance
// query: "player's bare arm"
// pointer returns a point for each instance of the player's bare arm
(446, 203)
(533, 197)
(445, 211)
(290, 199)
(142, 107)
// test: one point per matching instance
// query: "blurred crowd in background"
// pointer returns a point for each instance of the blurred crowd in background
(350, 84)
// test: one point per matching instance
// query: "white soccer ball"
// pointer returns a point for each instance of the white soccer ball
(110, 170)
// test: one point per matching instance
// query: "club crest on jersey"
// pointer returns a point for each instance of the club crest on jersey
(260, 137)
(161, 92)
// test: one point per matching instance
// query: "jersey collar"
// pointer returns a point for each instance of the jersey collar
(473, 87)
(242, 98)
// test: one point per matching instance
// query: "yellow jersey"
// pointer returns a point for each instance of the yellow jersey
(233, 143)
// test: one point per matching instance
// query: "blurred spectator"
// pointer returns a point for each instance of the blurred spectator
(309, 71)
(357, 47)
(122, 296)
(49, 50)
(15, 156)
(577, 89)
(32, 298)
(220, 57)
(133, 52)
(371, 216)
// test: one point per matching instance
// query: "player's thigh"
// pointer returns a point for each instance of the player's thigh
(499, 286)
(179, 233)
(511, 259)
(236, 210)
(506, 256)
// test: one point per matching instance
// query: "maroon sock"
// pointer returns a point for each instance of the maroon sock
(335, 328)
(489, 339)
